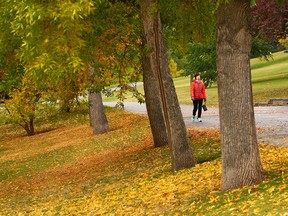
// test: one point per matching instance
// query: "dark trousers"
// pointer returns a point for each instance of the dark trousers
(197, 106)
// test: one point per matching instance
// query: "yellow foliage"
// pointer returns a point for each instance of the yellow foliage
(23, 102)
(283, 42)
(173, 69)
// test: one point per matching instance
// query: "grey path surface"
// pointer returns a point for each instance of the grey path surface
(271, 121)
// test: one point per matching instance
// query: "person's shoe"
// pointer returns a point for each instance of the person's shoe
(199, 120)
(193, 118)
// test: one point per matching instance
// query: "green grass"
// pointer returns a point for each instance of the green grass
(276, 58)
(68, 171)
(269, 80)
(12, 169)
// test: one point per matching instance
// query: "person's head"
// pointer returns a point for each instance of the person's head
(197, 77)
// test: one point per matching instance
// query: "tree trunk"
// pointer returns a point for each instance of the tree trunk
(31, 123)
(98, 119)
(153, 103)
(181, 152)
(29, 127)
(241, 164)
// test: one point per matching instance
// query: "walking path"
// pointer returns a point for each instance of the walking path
(271, 121)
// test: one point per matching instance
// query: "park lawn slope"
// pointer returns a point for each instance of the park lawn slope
(269, 80)
(68, 171)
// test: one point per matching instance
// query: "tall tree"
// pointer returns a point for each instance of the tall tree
(181, 152)
(153, 102)
(241, 164)
(114, 43)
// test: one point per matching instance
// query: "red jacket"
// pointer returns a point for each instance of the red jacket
(197, 90)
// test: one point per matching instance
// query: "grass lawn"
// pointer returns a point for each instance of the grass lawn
(65, 170)
(269, 80)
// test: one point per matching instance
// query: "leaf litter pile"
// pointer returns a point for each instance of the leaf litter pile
(69, 171)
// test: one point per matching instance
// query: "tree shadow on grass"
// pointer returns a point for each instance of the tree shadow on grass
(207, 151)
(206, 144)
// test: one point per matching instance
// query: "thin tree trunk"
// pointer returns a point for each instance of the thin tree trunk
(181, 152)
(29, 127)
(98, 119)
(153, 103)
(31, 124)
(241, 164)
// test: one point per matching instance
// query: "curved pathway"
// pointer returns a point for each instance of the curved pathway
(271, 121)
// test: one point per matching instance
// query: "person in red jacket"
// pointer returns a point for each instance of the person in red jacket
(198, 94)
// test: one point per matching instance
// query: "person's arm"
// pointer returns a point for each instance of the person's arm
(204, 92)
(192, 91)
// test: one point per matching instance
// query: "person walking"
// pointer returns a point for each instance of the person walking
(198, 94)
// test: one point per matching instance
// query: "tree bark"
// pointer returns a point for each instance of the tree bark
(153, 103)
(241, 164)
(180, 149)
(29, 127)
(98, 119)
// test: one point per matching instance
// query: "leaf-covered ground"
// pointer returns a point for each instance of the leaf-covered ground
(65, 170)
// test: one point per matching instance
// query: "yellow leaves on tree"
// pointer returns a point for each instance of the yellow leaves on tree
(22, 105)
(118, 47)
(173, 68)
(284, 42)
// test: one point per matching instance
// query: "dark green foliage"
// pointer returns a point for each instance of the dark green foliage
(186, 22)
(201, 58)
(263, 48)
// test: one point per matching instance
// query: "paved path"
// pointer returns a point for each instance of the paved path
(272, 121)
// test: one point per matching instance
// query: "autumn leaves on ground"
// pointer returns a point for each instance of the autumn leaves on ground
(65, 170)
